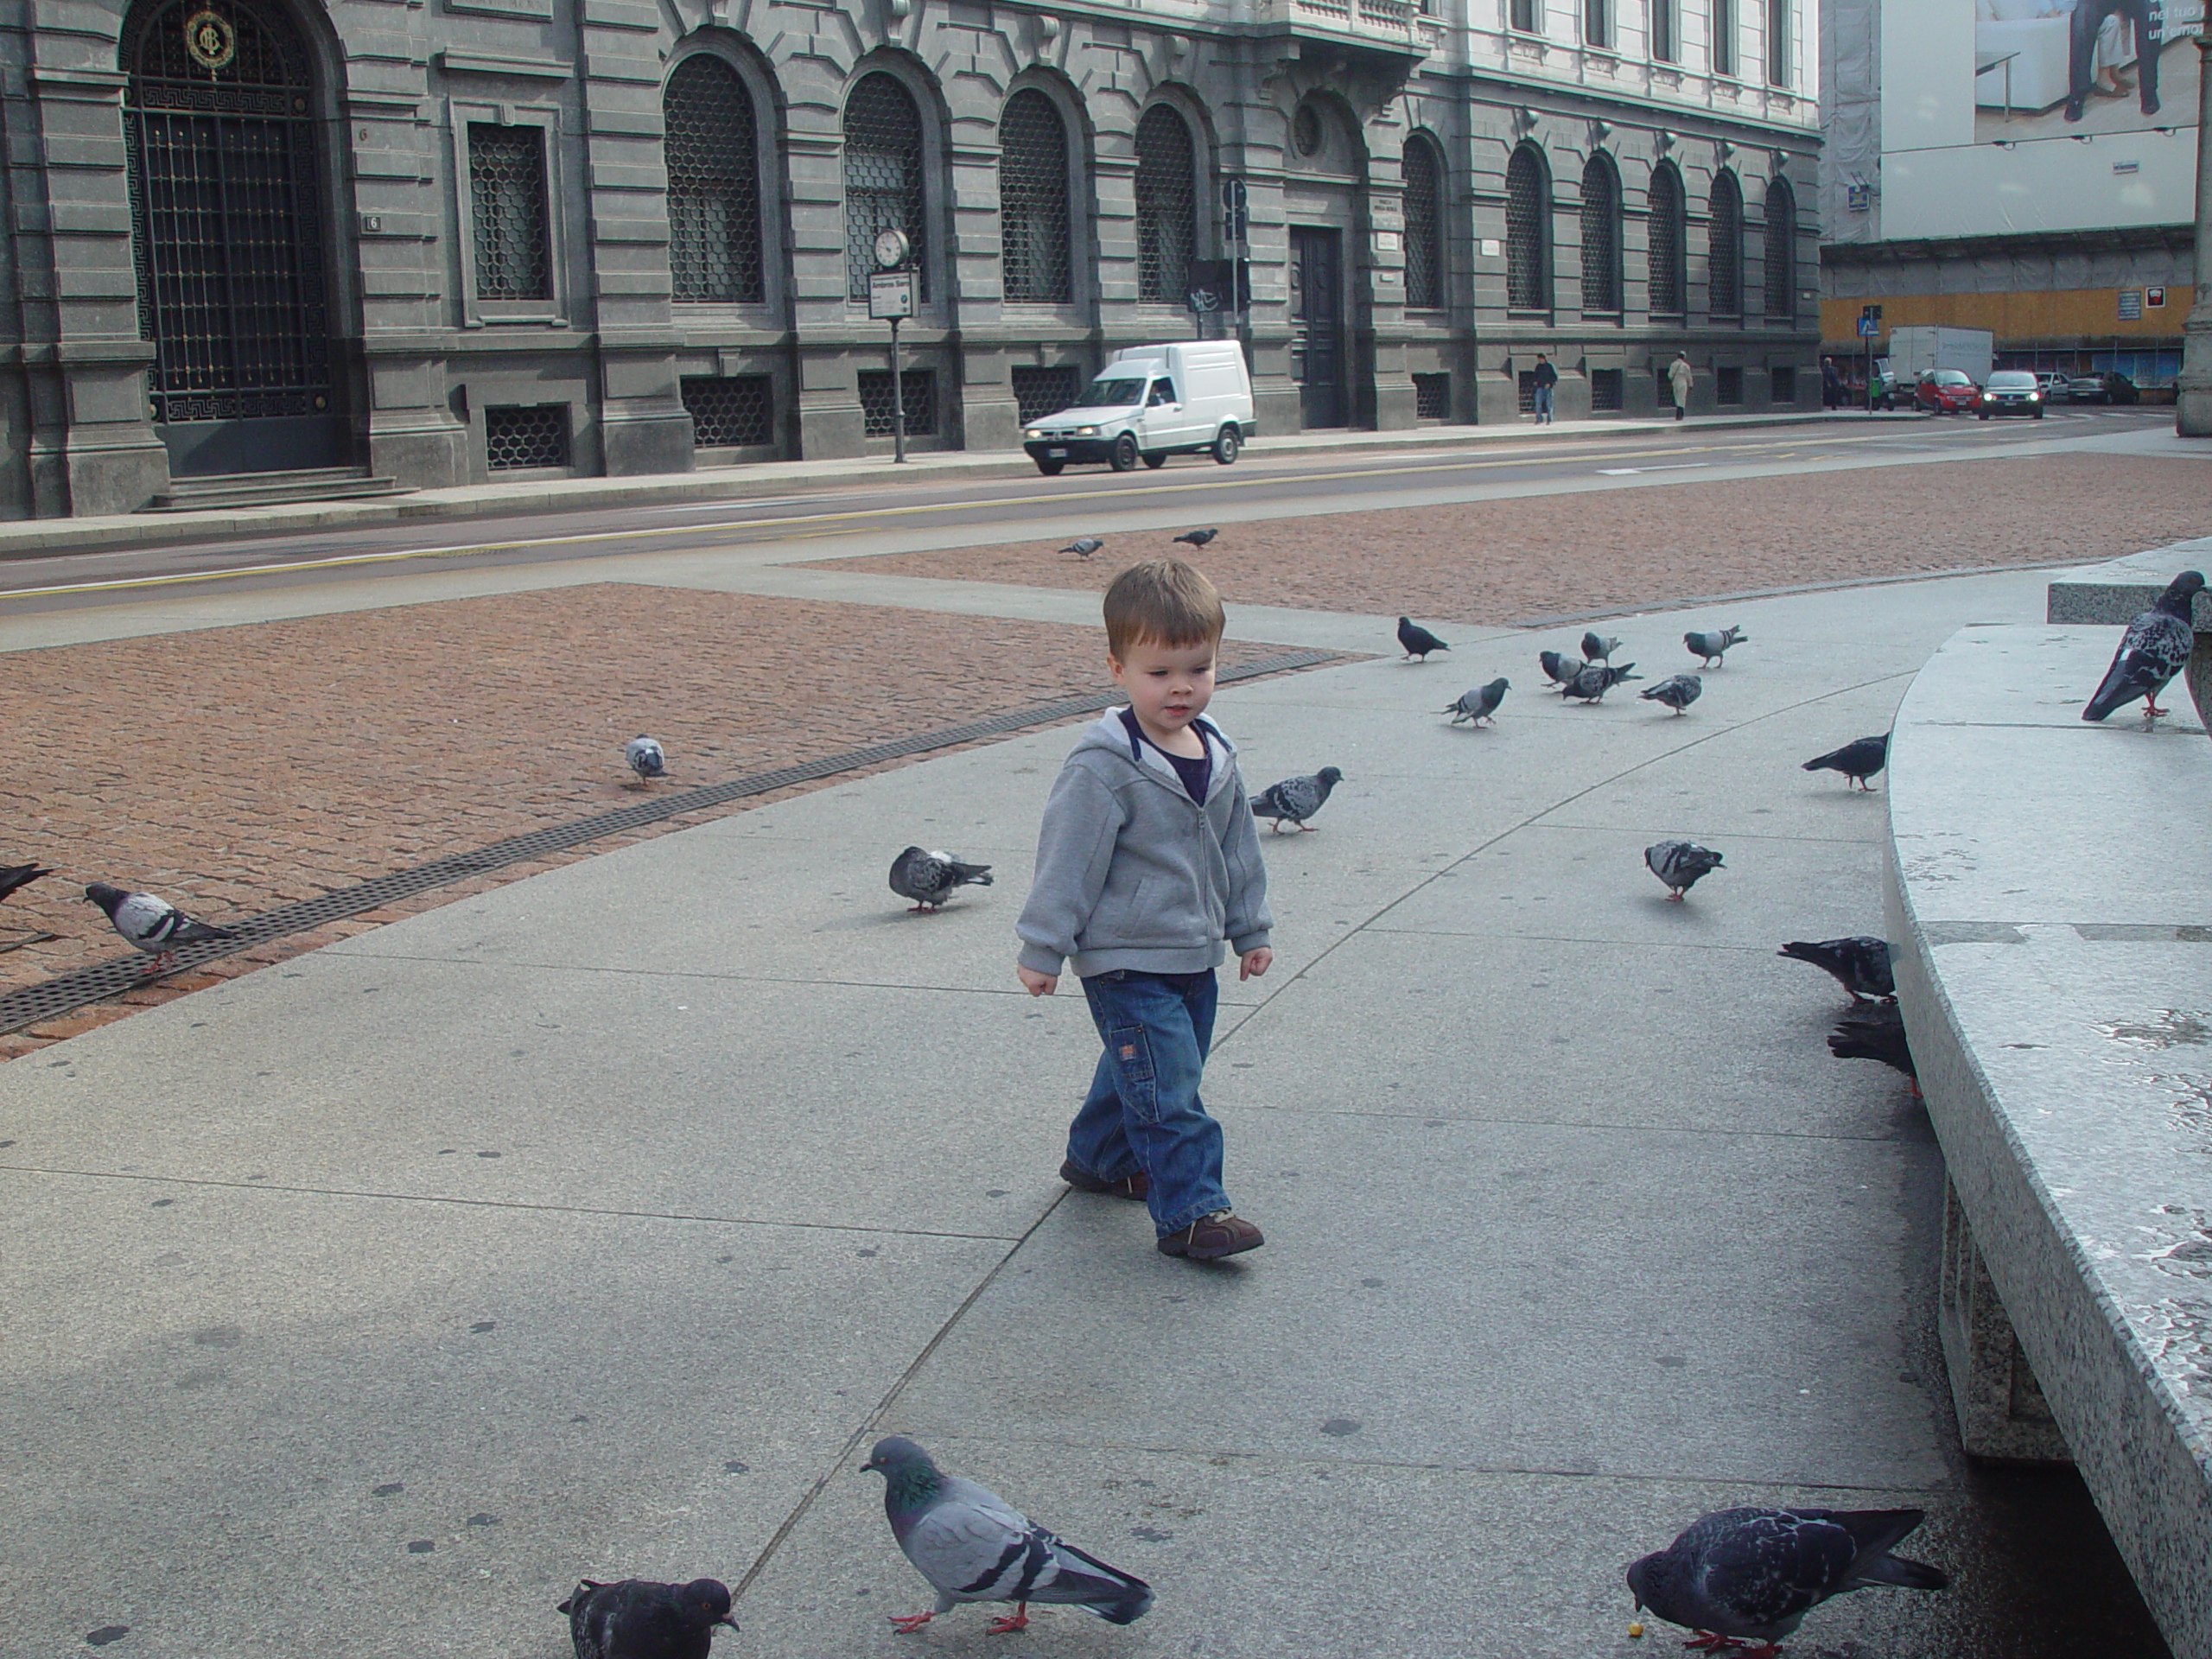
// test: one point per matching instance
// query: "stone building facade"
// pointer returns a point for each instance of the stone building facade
(271, 246)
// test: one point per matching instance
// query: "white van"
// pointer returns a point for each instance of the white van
(1149, 402)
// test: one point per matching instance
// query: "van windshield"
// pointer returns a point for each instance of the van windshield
(1113, 394)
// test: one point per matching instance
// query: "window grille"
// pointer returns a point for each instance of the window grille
(1724, 37)
(1601, 237)
(1782, 386)
(526, 436)
(919, 386)
(883, 179)
(730, 410)
(1666, 31)
(1777, 43)
(1781, 248)
(1041, 391)
(226, 218)
(506, 182)
(1664, 232)
(1598, 24)
(713, 184)
(1728, 385)
(1423, 172)
(1527, 245)
(1033, 199)
(1521, 14)
(1524, 387)
(1168, 206)
(1606, 392)
(1724, 258)
(1432, 396)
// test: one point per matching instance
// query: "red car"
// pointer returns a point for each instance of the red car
(1946, 391)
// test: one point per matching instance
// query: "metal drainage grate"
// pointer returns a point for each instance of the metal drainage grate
(66, 993)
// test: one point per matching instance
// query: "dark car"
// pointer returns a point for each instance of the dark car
(2109, 387)
(1946, 391)
(2011, 392)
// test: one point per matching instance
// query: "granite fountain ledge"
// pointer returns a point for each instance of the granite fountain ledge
(2050, 897)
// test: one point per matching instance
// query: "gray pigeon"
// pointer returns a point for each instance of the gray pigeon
(640, 1619)
(1680, 864)
(1860, 964)
(13, 876)
(1417, 641)
(154, 925)
(929, 878)
(1195, 538)
(1593, 680)
(1712, 646)
(1559, 670)
(1677, 691)
(2152, 652)
(1083, 546)
(1874, 1031)
(1754, 1574)
(1479, 704)
(645, 757)
(1597, 648)
(1858, 761)
(1296, 799)
(971, 1545)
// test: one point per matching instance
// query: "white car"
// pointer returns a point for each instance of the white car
(1150, 402)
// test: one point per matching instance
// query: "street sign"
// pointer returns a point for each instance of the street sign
(1233, 221)
(891, 295)
(2155, 298)
(1869, 327)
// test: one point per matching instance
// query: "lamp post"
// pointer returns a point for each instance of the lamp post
(2193, 386)
(891, 298)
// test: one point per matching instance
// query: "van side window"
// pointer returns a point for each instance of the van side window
(1163, 391)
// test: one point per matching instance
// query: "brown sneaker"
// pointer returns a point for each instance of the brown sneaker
(1210, 1237)
(1129, 1186)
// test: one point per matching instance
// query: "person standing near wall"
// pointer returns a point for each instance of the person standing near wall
(1545, 376)
(1831, 385)
(1680, 376)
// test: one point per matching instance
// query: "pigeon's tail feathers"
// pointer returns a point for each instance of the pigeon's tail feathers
(191, 933)
(13, 876)
(1876, 1532)
(1905, 1574)
(971, 875)
(1081, 1580)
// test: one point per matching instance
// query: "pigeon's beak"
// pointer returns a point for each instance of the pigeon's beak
(727, 1619)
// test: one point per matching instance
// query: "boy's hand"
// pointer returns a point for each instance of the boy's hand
(1252, 964)
(1038, 984)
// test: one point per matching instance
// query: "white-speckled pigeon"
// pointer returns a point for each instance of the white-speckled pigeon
(645, 757)
(1083, 546)
(1677, 691)
(1711, 647)
(973, 1546)
(2152, 651)
(1755, 1573)
(1416, 640)
(1860, 964)
(1598, 647)
(1680, 864)
(640, 1619)
(1858, 761)
(1479, 704)
(1593, 680)
(1197, 538)
(1296, 799)
(154, 925)
(1558, 668)
(929, 878)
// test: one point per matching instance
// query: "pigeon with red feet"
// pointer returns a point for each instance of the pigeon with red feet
(154, 925)
(2152, 652)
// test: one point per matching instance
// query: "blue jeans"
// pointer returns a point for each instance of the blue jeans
(1543, 403)
(1143, 1111)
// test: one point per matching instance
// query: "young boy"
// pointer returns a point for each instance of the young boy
(1148, 859)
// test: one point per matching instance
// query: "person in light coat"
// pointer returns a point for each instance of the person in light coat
(1680, 375)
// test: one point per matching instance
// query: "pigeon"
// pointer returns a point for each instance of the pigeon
(973, 1546)
(13, 876)
(1680, 864)
(2151, 653)
(1597, 648)
(1712, 646)
(1677, 691)
(1417, 640)
(1479, 704)
(1756, 1573)
(1296, 799)
(640, 1619)
(929, 878)
(1559, 670)
(1195, 538)
(1858, 761)
(1874, 1031)
(1593, 680)
(1083, 546)
(154, 925)
(1860, 964)
(645, 757)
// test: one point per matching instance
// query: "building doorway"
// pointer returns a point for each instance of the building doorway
(1317, 324)
(228, 230)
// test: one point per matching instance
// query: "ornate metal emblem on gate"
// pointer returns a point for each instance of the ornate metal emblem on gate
(211, 40)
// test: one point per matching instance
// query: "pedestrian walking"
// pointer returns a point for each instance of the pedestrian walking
(1832, 387)
(1680, 376)
(1544, 377)
(1148, 857)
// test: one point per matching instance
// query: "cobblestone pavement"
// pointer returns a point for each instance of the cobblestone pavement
(1510, 560)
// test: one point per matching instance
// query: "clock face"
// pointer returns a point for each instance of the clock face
(890, 248)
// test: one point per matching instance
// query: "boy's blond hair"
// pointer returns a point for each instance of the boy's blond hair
(1161, 602)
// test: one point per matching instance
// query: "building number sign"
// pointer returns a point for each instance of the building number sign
(211, 40)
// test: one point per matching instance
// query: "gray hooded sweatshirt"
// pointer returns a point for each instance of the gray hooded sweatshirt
(1132, 872)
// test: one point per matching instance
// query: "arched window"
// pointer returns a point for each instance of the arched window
(1665, 239)
(1168, 206)
(1033, 199)
(713, 184)
(1723, 258)
(1424, 184)
(883, 178)
(1527, 237)
(1601, 236)
(1781, 248)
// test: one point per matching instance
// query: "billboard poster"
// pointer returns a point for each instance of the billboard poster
(2056, 68)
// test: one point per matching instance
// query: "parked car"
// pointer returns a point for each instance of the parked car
(2109, 387)
(2011, 392)
(1946, 391)
(2053, 383)
(1149, 403)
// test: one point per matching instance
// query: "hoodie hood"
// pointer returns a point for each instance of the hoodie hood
(1110, 732)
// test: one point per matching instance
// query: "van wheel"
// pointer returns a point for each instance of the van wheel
(1049, 468)
(1124, 455)
(1155, 459)
(1226, 443)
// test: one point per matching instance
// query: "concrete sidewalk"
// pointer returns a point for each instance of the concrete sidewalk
(596, 1225)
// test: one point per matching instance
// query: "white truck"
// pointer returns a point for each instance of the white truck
(1150, 402)
(1921, 348)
